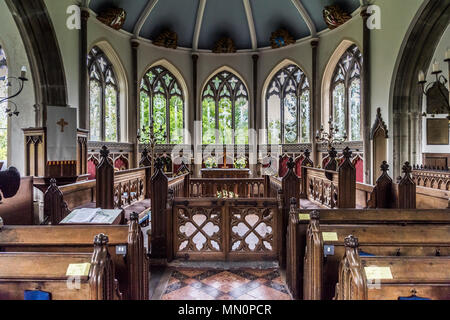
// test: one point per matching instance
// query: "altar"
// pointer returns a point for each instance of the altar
(217, 173)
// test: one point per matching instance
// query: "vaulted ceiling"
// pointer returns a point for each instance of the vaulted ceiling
(200, 23)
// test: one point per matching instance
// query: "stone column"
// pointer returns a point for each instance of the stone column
(365, 97)
(83, 108)
(196, 140)
(134, 101)
(316, 110)
(254, 139)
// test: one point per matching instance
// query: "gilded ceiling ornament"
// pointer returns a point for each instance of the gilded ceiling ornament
(167, 39)
(281, 38)
(334, 16)
(224, 45)
(113, 17)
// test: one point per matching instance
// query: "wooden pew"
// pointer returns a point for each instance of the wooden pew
(407, 278)
(299, 222)
(329, 188)
(20, 272)
(19, 210)
(126, 248)
(325, 247)
(127, 189)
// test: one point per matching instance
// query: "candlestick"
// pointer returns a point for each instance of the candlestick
(23, 73)
(421, 76)
(436, 67)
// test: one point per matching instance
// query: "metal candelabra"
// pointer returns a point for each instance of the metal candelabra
(21, 81)
(441, 82)
(330, 137)
(149, 140)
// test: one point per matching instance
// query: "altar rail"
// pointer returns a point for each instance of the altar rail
(240, 187)
(432, 178)
(224, 229)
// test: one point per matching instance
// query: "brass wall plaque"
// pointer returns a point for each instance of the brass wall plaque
(437, 132)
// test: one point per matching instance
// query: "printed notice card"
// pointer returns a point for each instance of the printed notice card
(304, 216)
(330, 236)
(78, 270)
(378, 273)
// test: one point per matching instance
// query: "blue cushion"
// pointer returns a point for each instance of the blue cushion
(365, 254)
(413, 298)
(36, 295)
(145, 218)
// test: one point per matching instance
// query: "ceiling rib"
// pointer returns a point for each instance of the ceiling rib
(251, 24)
(198, 24)
(143, 17)
(305, 15)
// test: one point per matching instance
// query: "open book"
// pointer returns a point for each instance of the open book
(93, 216)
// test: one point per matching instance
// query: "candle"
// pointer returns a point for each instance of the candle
(421, 76)
(436, 66)
(23, 73)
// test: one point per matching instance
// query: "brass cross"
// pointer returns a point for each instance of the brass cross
(62, 123)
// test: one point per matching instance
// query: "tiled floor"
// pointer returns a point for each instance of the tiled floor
(210, 284)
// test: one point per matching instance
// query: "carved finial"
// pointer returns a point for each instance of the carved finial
(159, 164)
(53, 182)
(347, 153)
(101, 240)
(407, 168)
(291, 163)
(293, 202)
(384, 167)
(351, 242)
(314, 215)
(332, 153)
(104, 152)
(307, 153)
(134, 216)
(414, 292)
(145, 153)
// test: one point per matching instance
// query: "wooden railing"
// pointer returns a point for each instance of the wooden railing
(332, 189)
(224, 229)
(240, 187)
(431, 178)
(130, 186)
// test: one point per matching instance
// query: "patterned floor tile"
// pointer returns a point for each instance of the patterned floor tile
(242, 284)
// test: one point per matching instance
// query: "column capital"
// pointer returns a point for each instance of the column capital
(135, 43)
(85, 14)
(315, 42)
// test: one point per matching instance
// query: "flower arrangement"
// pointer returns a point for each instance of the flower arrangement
(227, 195)
(210, 163)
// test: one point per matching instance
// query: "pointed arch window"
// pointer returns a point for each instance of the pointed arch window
(225, 110)
(103, 98)
(162, 102)
(346, 94)
(3, 107)
(288, 107)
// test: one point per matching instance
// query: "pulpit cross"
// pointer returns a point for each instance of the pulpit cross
(62, 123)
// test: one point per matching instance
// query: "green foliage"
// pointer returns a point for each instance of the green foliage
(355, 109)
(305, 120)
(225, 121)
(176, 120)
(241, 121)
(111, 114)
(208, 121)
(95, 97)
(145, 112)
(159, 118)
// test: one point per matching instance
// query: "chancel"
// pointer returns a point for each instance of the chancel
(224, 150)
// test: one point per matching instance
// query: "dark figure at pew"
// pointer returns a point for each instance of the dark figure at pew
(9, 183)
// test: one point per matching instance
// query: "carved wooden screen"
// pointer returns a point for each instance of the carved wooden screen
(226, 229)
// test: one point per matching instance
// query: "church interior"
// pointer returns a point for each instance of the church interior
(224, 150)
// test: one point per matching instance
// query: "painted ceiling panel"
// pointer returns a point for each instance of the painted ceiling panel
(225, 18)
(315, 9)
(133, 9)
(271, 15)
(176, 15)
